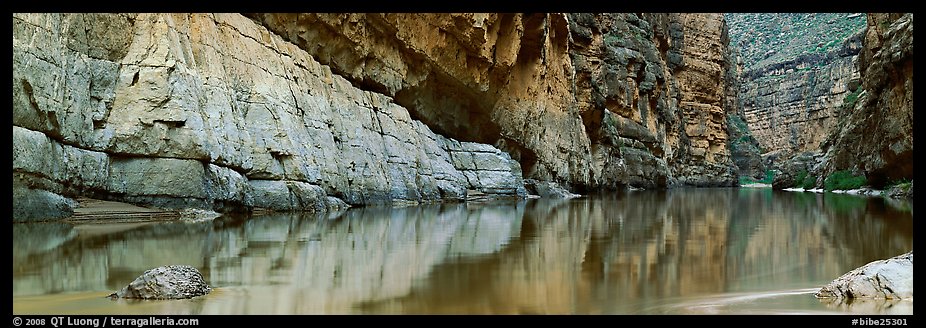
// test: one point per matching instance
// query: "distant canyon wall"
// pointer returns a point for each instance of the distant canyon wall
(306, 111)
(791, 106)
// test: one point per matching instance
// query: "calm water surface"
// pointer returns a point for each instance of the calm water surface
(683, 251)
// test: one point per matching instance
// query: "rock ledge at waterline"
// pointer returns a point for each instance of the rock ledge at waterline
(883, 279)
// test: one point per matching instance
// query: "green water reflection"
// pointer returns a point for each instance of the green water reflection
(644, 252)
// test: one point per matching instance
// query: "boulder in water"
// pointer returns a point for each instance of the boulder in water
(884, 279)
(166, 282)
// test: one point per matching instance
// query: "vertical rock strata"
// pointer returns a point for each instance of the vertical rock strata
(304, 111)
(652, 92)
(538, 86)
(875, 136)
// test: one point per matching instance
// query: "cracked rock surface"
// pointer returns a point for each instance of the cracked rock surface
(884, 279)
(166, 282)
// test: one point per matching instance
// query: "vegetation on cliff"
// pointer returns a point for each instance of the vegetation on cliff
(767, 38)
(796, 70)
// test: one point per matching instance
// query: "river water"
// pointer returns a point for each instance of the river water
(681, 251)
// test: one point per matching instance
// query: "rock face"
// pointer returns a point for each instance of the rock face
(501, 79)
(166, 282)
(902, 190)
(217, 112)
(519, 83)
(875, 136)
(547, 189)
(798, 74)
(647, 90)
(885, 279)
(312, 111)
(744, 148)
(789, 171)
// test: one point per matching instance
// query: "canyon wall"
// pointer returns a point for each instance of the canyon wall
(647, 90)
(792, 108)
(875, 136)
(215, 111)
(308, 111)
(522, 83)
(800, 69)
(502, 79)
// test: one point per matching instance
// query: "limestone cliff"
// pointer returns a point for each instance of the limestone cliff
(647, 90)
(799, 70)
(306, 111)
(875, 136)
(510, 80)
(502, 79)
(215, 111)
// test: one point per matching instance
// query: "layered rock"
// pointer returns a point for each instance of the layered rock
(793, 105)
(309, 111)
(875, 136)
(215, 111)
(798, 170)
(502, 79)
(884, 279)
(706, 98)
(508, 80)
(744, 149)
(647, 90)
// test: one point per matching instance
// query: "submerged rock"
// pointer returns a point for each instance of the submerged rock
(884, 279)
(166, 282)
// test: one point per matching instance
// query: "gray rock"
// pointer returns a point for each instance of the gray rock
(287, 195)
(197, 215)
(166, 282)
(36, 205)
(236, 128)
(547, 189)
(788, 170)
(335, 204)
(901, 191)
(884, 279)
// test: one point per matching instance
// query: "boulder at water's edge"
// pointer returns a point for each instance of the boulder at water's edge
(883, 279)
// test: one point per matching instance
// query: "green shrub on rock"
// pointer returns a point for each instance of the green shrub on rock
(843, 180)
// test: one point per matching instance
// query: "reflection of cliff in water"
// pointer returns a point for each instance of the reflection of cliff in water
(363, 254)
(629, 253)
(625, 252)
